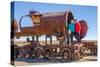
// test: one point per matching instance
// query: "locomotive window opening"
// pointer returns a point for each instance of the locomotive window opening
(26, 22)
(54, 40)
(48, 41)
(42, 40)
(22, 41)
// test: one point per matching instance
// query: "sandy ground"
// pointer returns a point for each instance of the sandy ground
(85, 59)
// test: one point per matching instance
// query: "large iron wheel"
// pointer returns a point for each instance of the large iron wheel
(38, 51)
(66, 54)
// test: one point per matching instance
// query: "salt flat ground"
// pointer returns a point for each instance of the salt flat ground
(21, 62)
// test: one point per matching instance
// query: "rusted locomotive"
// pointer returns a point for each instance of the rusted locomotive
(49, 24)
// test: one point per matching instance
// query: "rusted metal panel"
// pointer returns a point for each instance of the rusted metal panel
(50, 23)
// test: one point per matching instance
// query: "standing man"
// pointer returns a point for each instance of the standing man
(77, 30)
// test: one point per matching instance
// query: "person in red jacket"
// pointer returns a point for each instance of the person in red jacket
(77, 30)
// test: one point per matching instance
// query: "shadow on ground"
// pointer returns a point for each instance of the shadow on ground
(40, 60)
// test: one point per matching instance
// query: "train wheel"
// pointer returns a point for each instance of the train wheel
(38, 52)
(21, 53)
(76, 56)
(66, 54)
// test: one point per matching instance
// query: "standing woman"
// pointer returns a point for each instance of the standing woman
(71, 30)
(69, 18)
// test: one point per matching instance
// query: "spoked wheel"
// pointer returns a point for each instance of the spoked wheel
(48, 53)
(21, 53)
(76, 56)
(38, 52)
(66, 54)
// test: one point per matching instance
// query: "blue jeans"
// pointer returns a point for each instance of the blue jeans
(70, 37)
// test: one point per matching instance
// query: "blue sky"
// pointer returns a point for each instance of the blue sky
(87, 13)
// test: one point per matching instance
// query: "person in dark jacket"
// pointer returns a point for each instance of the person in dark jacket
(77, 30)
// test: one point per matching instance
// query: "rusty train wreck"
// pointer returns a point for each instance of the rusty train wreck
(49, 24)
